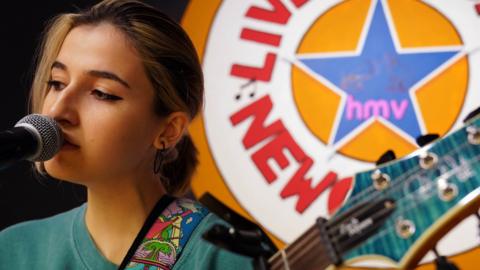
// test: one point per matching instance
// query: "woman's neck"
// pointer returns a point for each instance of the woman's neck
(116, 213)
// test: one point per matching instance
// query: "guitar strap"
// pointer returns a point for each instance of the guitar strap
(163, 236)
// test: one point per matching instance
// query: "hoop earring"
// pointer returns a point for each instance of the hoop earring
(159, 158)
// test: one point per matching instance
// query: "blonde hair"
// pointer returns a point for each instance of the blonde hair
(170, 61)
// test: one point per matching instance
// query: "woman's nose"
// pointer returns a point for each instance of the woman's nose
(63, 106)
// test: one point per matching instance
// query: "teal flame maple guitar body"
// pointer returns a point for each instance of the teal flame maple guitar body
(433, 189)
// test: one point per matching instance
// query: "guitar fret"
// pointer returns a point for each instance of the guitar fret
(299, 254)
(313, 261)
(299, 240)
(285, 260)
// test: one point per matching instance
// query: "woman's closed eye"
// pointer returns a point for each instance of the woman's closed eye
(55, 85)
(58, 85)
(104, 96)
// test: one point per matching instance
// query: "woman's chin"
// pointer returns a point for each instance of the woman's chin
(62, 172)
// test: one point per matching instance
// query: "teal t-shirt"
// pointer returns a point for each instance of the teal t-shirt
(63, 242)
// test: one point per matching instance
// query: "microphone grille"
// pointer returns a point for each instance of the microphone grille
(47, 131)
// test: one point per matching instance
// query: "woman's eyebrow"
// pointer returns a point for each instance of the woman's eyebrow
(95, 73)
(59, 65)
(108, 75)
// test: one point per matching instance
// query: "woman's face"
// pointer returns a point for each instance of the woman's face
(101, 97)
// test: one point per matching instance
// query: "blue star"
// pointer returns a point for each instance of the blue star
(378, 81)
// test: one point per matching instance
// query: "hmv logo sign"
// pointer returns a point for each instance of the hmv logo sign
(358, 110)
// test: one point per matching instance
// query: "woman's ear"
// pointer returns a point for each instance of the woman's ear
(172, 130)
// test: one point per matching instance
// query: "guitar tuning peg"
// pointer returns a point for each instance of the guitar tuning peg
(386, 157)
(423, 140)
(471, 115)
(442, 262)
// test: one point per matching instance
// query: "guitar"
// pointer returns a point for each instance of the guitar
(397, 211)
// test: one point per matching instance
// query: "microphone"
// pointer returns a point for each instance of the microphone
(35, 138)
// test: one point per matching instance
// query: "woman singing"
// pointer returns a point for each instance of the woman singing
(123, 82)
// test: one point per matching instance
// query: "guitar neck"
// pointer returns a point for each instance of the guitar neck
(309, 251)
(325, 242)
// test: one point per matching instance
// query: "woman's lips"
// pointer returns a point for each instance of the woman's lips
(67, 144)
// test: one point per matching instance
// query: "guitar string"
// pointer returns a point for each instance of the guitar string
(307, 236)
(296, 254)
(302, 238)
(293, 257)
(299, 251)
(286, 265)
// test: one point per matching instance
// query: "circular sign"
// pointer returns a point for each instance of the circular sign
(301, 95)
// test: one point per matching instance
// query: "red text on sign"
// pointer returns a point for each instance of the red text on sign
(279, 142)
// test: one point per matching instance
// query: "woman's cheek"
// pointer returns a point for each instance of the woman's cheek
(46, 104)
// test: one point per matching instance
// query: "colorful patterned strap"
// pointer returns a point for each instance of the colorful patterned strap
(166, 238)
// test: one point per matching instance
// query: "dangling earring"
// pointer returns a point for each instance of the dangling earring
(159, 158)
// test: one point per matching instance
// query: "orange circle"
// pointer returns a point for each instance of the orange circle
(197, 21)
(418, 25)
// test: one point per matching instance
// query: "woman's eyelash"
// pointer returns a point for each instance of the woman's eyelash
(104, 96)
(56, 85)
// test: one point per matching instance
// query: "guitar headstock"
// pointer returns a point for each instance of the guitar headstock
(433, 189)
